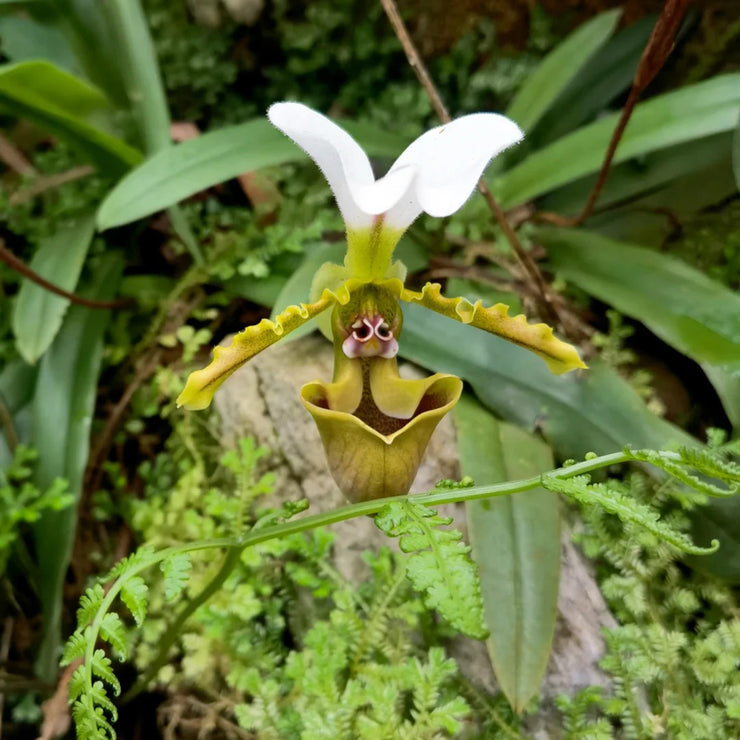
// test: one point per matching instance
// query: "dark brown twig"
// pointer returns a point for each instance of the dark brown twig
(6, 424)
(14, 158)
(22, 268)
(525, 260)
(4, 652)
(656, 51)
(104, 440)
(49, 182)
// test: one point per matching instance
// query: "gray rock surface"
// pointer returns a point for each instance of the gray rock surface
(261, 400)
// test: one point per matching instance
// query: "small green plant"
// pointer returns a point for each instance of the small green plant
(21, 502)
(675, 657)
(435, 563)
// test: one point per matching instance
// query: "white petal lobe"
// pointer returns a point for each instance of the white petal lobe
(451, 159)
(343, 162)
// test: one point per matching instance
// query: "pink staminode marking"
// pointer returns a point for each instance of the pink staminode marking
(370, 337)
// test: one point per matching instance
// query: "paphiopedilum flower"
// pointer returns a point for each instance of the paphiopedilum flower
(375, 425)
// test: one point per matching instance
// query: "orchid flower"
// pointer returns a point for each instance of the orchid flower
(374, 425)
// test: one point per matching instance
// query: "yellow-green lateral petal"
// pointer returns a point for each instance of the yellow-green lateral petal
(539, 338)
(202, 384)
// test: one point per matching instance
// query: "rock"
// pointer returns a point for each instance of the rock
(261, 399)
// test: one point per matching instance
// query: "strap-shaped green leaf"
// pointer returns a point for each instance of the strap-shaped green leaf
(516, 544)
(38, 313)
(538, 338)
(176, 172)
(559, 67)
(59, 102)
(688, 310)
(681, 116)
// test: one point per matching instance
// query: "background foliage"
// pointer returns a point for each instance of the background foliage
(95, 199)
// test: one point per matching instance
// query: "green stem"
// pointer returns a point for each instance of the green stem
(115, 589)
(173, 631)
(332, 517)
(236, 546)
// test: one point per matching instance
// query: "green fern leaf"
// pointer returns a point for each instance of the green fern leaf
(77, 683)
(75, 647)
(90, 722)
(113, 632)
(176, 571)
(705, 461)
(625, 507)
(711, 462)
(134, 592)
(438, 564)
(90, 604)
(103, 668)
(101, 700)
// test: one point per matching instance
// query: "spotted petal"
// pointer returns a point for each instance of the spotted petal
(538, 338)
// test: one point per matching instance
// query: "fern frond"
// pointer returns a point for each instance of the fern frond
(625, 507)
(101, 700)
(113, 632)
(77, 683)
(438, 564)
(704, 461)
(90, 721)
(75, 647)
(90, 604)
(134, 594)
(102, 668)
(176, 570)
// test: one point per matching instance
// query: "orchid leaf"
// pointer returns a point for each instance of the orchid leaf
(202, 384)
(538, 338)
(653, 172)
(516, 544)
(576, 413)
(736, 153)
(38, 313)
(690, 113)
(60, 103)
(726, 381)
(180, 171)
(24, 38)
(608, 74)
(693, 313)
(541, 88)
(142, 79)
(62, 412)
(719, 519)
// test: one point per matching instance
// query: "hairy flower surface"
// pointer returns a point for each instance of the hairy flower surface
(374, 425)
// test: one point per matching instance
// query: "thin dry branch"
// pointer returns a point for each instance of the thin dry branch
(658, 48)
(546, 302)
(49, 182)
(14, 157)
(22, 268)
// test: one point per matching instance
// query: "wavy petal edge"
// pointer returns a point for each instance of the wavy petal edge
(202, 384)
(559, 356)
